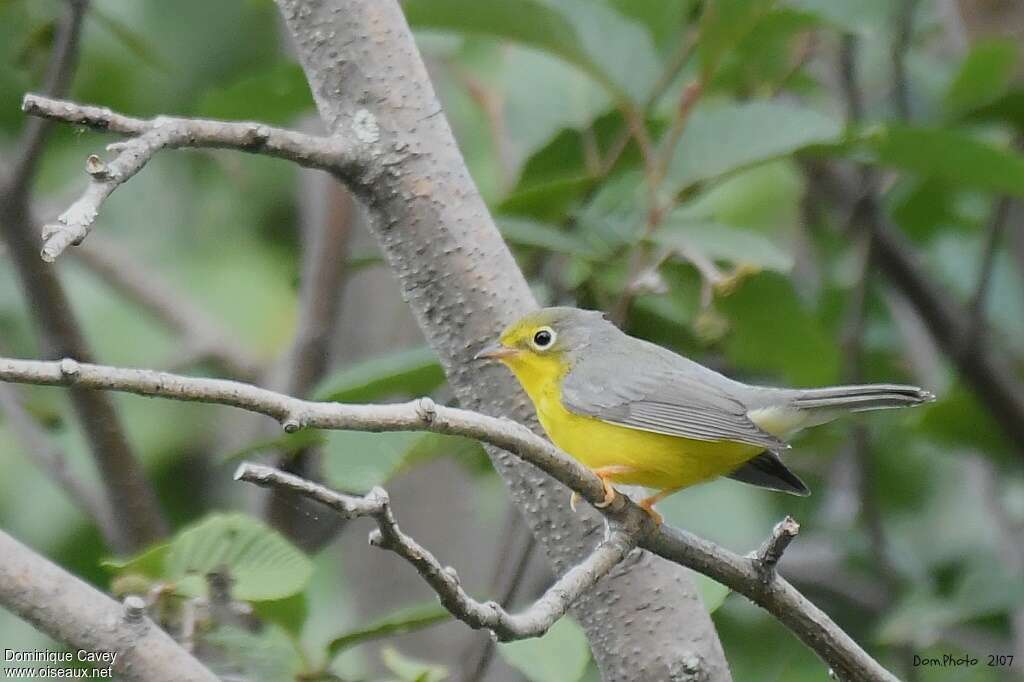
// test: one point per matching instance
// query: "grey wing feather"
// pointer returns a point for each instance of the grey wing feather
(658, 391)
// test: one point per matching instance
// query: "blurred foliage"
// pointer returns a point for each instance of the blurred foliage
(746, 265)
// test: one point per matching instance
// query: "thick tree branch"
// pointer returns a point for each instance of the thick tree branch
(147, 137)
(464, 286)
(74, 612)
(742, 574)
(532, 622)
(129, 498)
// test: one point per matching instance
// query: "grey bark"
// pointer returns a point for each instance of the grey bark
(463, 285)
(74, 612)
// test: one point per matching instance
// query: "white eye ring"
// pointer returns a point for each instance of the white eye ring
(544, 338)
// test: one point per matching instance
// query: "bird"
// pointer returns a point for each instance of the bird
(636, 413)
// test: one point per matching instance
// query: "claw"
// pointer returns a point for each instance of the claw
(609, 494)
(573, 499)
(655, 516)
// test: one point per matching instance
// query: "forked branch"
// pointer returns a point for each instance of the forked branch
(532, 622)
(745, 575)
(147, 137)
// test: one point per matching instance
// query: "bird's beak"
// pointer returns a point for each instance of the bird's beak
(496, 352)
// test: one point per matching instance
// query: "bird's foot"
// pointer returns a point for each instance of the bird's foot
(648, 506)
(609, 491)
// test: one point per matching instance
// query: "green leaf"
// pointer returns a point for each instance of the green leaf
(287, 443)
(399, 622)
(985, 75)
(724, 243)
(282, 92)
(959, 421)
(561, 655)
(575, 30)
(410, 670)
(773, 334)
(132, 40)
(522, 232)
(149, 563)
(948, 155)
(263, 565)
(722, 139)
(712, 592)
(358, 461)
(664, 19)
(723, 24)
(868, 18)
(409, 372)
(289, 613)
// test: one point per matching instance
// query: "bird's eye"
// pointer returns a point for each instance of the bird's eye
(543, 338)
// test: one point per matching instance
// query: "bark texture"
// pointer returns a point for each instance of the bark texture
(370, 85)
(74, 612)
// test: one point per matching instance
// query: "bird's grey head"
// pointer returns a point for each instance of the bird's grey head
(557, 330)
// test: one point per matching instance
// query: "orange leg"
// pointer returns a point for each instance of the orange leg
(647, 504)
(604, 473)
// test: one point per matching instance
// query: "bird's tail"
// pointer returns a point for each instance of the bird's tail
(861, 398)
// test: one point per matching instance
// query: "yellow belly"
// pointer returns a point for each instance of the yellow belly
(656, 460)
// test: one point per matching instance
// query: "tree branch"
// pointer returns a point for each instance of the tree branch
(741, 574)
(532, 622)
(72, 611)
(130, 500)
(147, 137)
(463, 285)
(60, 71)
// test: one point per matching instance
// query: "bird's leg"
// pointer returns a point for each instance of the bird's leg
(604, 473)
(647, 504)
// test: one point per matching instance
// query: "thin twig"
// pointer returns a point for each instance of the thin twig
(534, 621)
(771, 551)
(740, 574)
(60, 71)
(147, 137)
(131, 502)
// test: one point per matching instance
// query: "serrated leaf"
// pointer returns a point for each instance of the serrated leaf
(405, 620)
(262, 565)
(561, 655)
(409, 372)
(948, 155)
(727, 138)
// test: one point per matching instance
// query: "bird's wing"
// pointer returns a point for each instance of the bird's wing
(673, 396)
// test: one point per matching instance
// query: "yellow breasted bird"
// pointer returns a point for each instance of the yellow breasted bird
(639, 414)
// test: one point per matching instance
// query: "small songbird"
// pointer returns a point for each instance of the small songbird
(639, 414)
